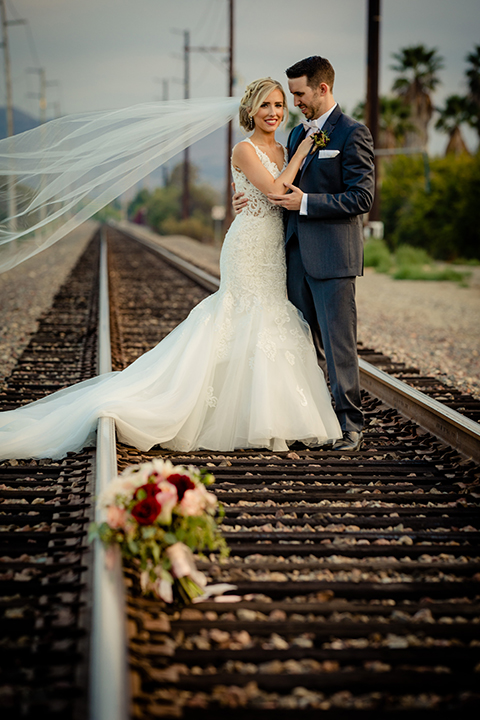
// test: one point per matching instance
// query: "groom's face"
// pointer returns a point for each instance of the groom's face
(309, 100)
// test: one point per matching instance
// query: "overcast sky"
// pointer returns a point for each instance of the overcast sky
(102, 54)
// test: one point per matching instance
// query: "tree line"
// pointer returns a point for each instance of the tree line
(424, 202)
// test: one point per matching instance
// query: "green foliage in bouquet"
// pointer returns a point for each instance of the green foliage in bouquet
(159, 515)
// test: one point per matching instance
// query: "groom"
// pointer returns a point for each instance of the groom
(323, 233)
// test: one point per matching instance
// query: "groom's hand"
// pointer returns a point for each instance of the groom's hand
(239, 201)
(291, 201)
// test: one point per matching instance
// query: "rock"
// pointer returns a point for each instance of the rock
(191, 614)
(423, 615)
(278, 642)
(159, 624)
(219, 636)
(242, 639)
(274, 667)
(302, 642)
(396, 642)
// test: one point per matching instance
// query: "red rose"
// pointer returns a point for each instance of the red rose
(150, 490)
(146, 511)
(182, 483)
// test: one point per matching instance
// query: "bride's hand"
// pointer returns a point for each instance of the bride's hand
(305, 147)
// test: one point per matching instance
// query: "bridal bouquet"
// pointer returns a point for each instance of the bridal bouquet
(159, 514)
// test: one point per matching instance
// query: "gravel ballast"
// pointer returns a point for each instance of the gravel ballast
(28, 290)
(434, 326)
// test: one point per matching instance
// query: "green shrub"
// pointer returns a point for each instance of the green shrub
(444, 221)
(408, 263)
(463, 261)
(192, 227)
(418, 272)
(377, 255)
(408, 255)
(400, 176)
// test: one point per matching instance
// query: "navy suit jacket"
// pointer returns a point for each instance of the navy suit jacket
(340, 190)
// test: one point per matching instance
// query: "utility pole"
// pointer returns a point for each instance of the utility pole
(12, 205)
(42, 94)
(187, 49)
(165, 97)
(186, 158)
(186, 95)
(372, 104)
(228, 189)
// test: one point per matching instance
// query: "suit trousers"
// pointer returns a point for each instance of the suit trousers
(329, 308)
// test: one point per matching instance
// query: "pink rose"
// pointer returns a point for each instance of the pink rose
(116, 517)
(193, 503)
(168, 498)
(210, 499)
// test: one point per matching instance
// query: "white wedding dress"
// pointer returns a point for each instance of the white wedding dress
(239, 372)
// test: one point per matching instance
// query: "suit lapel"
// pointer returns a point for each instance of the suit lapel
(328, 128)
(297, 136)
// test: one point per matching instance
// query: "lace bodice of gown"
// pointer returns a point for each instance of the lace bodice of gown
(258, 205)
(252, 264)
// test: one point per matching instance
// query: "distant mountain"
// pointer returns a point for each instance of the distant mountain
(21, 122)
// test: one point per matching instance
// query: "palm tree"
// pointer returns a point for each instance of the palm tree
(418, 67)
(452, 116)
(473, 79)
(394, 120)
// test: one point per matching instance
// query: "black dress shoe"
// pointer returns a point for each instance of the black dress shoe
(352, 440)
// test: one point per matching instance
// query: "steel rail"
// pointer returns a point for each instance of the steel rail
(446, 424)
(109, 694)
(203, 278)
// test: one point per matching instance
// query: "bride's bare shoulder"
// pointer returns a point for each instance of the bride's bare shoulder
(243, 152)
(243, 147)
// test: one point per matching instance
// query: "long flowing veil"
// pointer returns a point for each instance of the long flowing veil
(56, 176)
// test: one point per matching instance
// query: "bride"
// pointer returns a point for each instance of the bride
(240, 371)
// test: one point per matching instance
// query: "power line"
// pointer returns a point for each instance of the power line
(28, 31)
(205, 17)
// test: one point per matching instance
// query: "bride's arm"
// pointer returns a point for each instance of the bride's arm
(246, 159)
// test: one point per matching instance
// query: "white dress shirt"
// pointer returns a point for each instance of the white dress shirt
(320, 123)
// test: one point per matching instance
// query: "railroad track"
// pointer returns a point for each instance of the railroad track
(45, 509)
(358, 574)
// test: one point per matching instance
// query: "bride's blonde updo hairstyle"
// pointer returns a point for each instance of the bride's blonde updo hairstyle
(255, 94)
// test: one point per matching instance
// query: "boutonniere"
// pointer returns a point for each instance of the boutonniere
(320, 140)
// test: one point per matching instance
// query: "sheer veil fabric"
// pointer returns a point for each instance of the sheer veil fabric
(56, 176)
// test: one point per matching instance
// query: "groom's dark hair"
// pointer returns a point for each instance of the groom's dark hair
(317, 69)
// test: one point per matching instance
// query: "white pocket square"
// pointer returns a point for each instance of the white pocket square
(328, 153)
